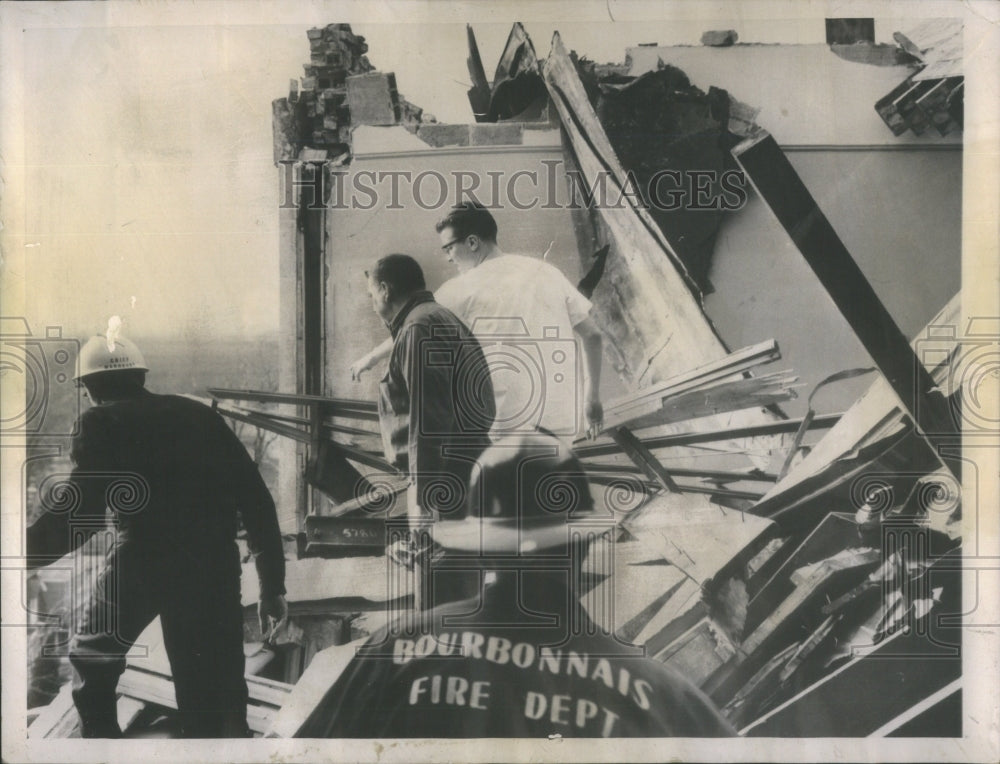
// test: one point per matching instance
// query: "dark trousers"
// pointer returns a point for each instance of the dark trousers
(199, 607)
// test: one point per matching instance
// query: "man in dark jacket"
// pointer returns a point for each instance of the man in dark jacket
(176, 480)
(510, 652)
(436, 403)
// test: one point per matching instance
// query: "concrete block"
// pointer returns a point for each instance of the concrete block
(283, 130)
(497, 134)
(373, 99)
(444, 135)
(719, 38)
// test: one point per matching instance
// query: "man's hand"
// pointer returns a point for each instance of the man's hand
(363, 364)
(272, 613)
(370, 359)
(595, 418)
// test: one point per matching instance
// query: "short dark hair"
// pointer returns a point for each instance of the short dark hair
(468, 219)
(401, 272)
(114, 385)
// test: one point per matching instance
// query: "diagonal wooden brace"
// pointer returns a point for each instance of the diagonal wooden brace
(643, 458)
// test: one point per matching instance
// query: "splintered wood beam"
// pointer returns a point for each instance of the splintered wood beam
(709, 436)
(781, 188)
(720, 476)
(752, 392)
(713, 371)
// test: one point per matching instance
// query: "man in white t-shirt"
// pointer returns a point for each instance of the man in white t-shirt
(532, 323)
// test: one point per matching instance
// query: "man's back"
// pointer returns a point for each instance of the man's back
(169, 468)
(523, 311)
(479, 673)
(436, 400)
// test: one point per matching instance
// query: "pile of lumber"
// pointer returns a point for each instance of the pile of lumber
(761, 620)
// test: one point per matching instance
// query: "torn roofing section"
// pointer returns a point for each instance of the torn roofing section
(833, 107)
(938, 45)
(932, 99)
(660, 124)
(518, 92)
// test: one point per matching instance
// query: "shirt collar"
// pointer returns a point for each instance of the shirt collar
(415, 299)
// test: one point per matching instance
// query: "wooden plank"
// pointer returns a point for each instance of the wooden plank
(268, 691)
(902, 671)
(698, 653)
(877, 412)
(924, 716)
(808, 583)
(156, 687)
(734, 363)
(149, 687)
(360, 582)
(347, 407)
(585, 451)
(720, 397)
(128, 711)
(294, 433)
(324, 670)
(56, 716)
(760, 687)
(720, 476)
(697, 536)
(633, 585)
(643, 459)
(781, 188)
(684, 608)
(153, 687)
(713, 492)
(835, 532)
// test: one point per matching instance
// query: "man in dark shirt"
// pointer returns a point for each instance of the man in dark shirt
(510, 652)
(176, 480)
(436, 403)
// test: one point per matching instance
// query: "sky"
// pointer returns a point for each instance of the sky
(143, 143)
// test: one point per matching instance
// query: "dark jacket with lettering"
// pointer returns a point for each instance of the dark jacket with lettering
(436, 403)
(486, 672)
(176, 480)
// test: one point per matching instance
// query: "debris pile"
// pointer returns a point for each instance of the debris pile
(805, 602)
(755, 615)
(808, 606)
(340, 90)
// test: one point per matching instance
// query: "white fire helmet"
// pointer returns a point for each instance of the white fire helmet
(98, 354)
